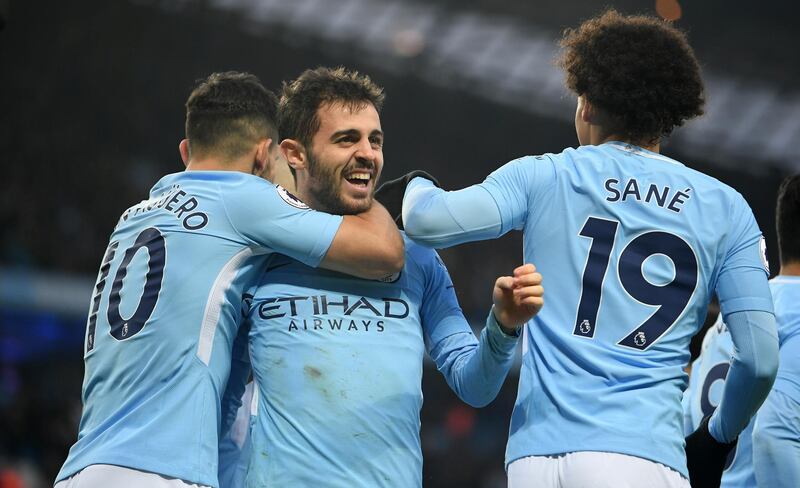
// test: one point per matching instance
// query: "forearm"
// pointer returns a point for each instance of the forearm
(367, 245)
(436, 218)
(476, 370)
(752, 372)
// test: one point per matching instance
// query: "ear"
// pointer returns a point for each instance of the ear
(183, 148)
(261, 160)
(587, 111)
(294, 153)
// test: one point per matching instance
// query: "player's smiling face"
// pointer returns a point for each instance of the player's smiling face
(346, 158)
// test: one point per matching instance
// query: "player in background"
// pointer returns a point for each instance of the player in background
(167, 304)
(703, 395)
(768, 451)
(776, 434)
(632, 244)
(337, 360)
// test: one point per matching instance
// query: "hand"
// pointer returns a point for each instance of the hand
(706, 457)
(517, 299)
(391, 193)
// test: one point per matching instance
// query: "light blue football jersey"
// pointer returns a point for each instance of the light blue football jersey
(786, 294)
(165, 313)
(776, 441)
(703, 395)
(710, 369)
(632, 244)
(338, 363)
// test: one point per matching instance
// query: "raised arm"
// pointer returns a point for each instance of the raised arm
(367, 245)
(476, 369)
(436, 218)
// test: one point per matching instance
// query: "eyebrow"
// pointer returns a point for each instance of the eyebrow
(354, 132)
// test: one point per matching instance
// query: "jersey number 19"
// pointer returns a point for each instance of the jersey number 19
(670, 298)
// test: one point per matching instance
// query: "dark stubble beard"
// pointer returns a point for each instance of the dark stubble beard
(326, 190)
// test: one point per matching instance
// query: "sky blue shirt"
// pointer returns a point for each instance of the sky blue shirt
(165, 313)
(631, 245)
(703, 396)
(338, 364)
(776, 434)
(779, 417)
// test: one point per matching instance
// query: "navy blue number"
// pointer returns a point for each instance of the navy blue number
(124, 328)
(98, 292)
(602, 233)
(671, 298)
(718, 372)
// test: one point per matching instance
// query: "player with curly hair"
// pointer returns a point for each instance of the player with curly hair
(632, 244)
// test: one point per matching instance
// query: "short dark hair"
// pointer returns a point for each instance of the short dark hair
(787, 219)
(301, 98)
(638, 70)
(227, 112)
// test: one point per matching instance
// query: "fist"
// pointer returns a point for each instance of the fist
(518, 298)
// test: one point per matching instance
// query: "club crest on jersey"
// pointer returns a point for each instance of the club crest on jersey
(763, 247)
(292, 200)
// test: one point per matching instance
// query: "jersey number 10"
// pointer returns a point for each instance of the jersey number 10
(670, 298)
(125, 328)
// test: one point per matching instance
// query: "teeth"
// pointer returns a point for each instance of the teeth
(359, 176)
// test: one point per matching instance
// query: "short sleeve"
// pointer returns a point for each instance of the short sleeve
(742, 281)
(517, 185)
(270, 217)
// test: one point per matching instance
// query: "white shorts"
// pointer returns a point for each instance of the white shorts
(590, 469)
(107, 475)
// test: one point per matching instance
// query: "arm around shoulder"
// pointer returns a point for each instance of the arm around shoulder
(367, 245)
(436, 218)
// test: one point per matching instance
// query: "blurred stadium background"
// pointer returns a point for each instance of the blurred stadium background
(91, 107)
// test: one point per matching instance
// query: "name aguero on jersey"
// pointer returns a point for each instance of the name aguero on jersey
(341, 307)
(659, 196)
(172, 200)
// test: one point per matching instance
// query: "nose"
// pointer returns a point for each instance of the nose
(365, 151)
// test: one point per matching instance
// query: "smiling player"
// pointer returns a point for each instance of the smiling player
(166, 309)
(337, 360)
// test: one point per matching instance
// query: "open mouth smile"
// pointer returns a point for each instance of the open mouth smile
(359, 179)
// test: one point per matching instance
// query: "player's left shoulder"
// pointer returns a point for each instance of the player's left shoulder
(421, 259)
